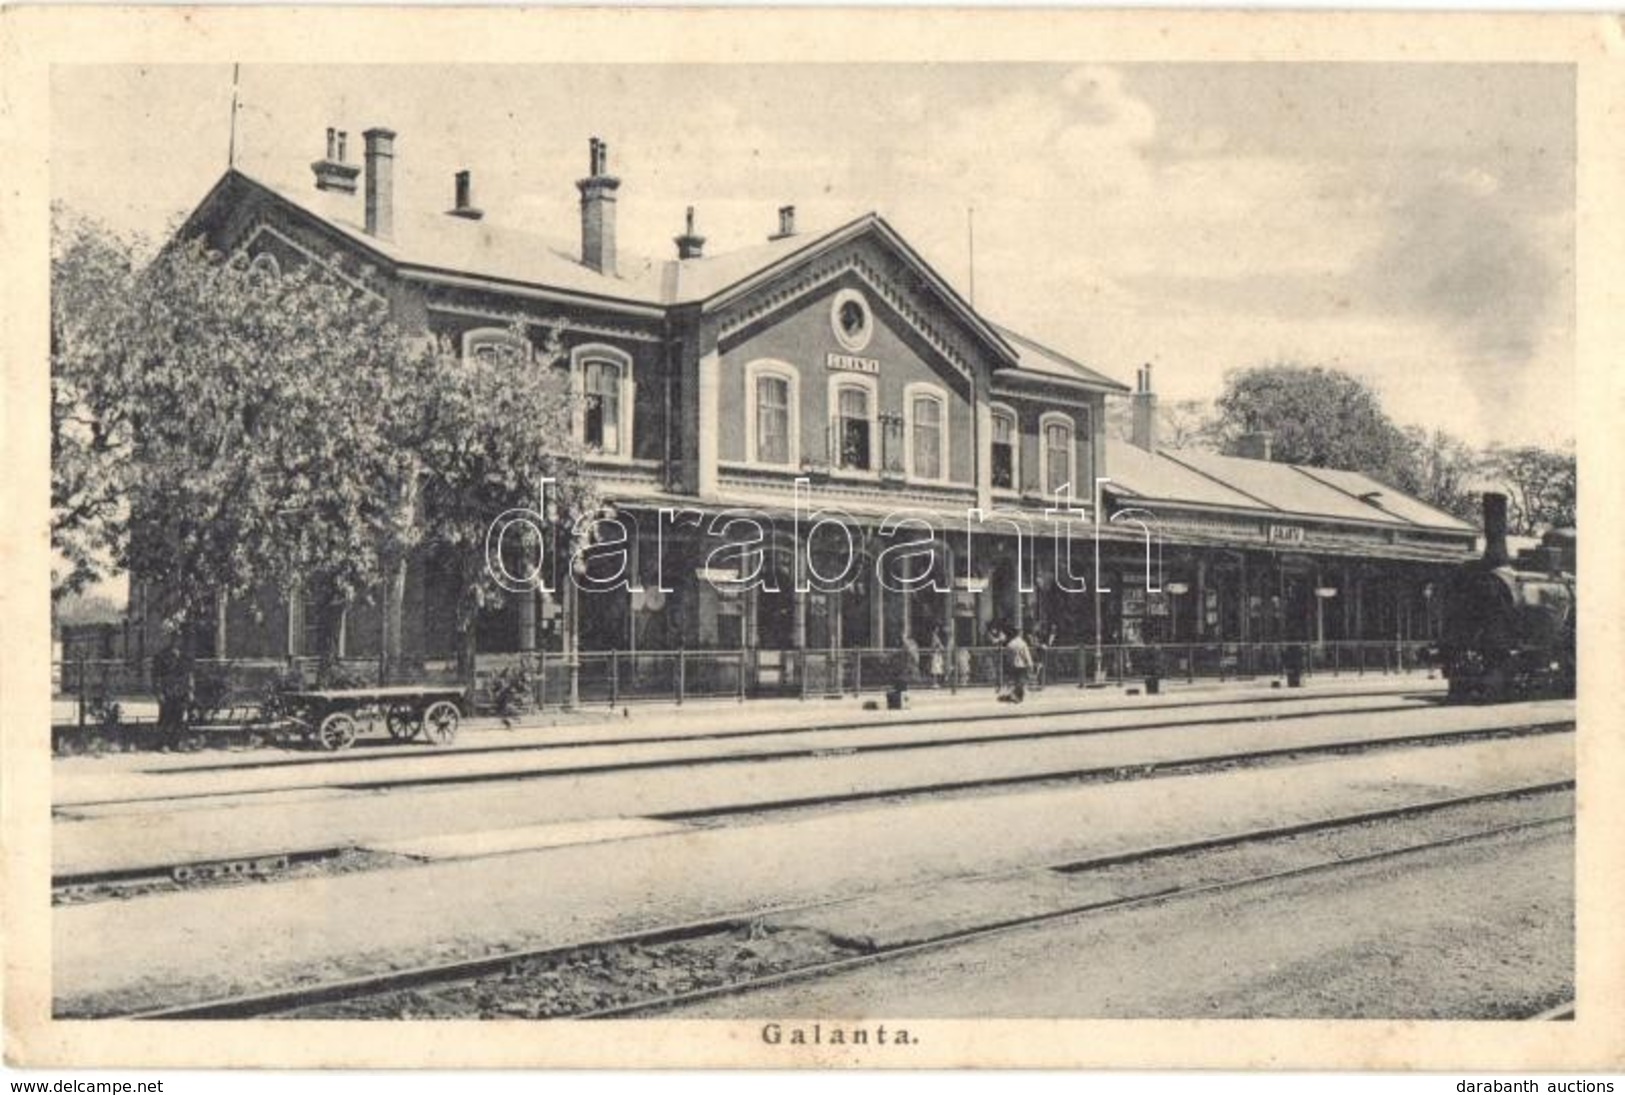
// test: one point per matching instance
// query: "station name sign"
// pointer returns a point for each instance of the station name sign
(850, 363)
(1286, 534)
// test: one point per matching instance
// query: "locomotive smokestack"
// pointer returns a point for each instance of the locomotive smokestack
(1495, 530)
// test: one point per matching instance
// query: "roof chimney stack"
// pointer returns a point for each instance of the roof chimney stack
(380, 162)
(463, 198)
(1144, 430)
(787, 223)
(332, 173)
(1496, 553)
(1258, 445)
(690, 246)
(598, 210)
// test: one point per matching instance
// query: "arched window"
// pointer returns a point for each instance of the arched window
(926, 407)
(1084, 466)
(853, 431)
(602, 386)
(265, 265)
(492, 343)
(1056, 432)
(1004, 453)
(602, 377)
(773, 414)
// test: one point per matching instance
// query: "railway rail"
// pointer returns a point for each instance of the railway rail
(1177, 883)
(921, 717)
(267, 862)
(795, 753)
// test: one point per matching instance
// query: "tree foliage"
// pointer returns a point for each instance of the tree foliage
(92, 273)
(263, 448)
(1447, 471)
(1317, 417)
(221, 428)
(497, 427)
(1540, 484)
(1181, 423)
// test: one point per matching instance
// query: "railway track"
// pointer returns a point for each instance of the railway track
(799, 752)
(268, 863)
(927, 717)
(1166, 873)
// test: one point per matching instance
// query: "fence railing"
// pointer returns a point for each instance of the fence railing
(616, 678)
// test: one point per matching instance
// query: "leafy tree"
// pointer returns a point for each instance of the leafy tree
(497, 426)
(223, 429)
(1181, 423)
(262, 442)
(87, 608)
(1318, 417)
(1540, 484)
(92, 276)
(1445, 469)
(1186, 424)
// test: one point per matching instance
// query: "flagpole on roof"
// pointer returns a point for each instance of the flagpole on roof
(231, 147)
(970, 228)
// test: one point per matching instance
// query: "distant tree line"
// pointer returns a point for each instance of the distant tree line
(1322, 417)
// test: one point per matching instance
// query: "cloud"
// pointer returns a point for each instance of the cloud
(1491, 276)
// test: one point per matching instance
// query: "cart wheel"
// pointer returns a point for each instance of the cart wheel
(402, 723)
(440, 722)
(337, 731)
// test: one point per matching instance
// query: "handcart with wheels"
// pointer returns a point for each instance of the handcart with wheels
(334, 717)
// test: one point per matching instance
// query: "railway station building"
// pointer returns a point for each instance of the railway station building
(834, 374)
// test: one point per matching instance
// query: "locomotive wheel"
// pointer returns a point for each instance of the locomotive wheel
(440, 722)
(402, 722)
(337, 731)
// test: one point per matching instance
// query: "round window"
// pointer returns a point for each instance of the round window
(851, 319)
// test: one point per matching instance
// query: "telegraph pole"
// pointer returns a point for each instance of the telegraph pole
(231, 147)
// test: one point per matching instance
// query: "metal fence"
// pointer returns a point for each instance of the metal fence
(101, 691)
(616, 677)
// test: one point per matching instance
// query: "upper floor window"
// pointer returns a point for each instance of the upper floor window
(771, 430)
(265, 265)
(602, 375)
(602, 427)
(772, 420)
(492, 344)
(927, 431)
(1003, 456)
(854, 426)
(1058, 452)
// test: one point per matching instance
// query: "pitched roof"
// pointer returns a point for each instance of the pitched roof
(1153, 476)
(1383, 497)
(1200, 478)
(1035, 357)
(478, 248)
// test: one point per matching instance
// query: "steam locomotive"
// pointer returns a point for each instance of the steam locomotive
(1508, 626)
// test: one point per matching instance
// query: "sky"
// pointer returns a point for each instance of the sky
(1412, 224)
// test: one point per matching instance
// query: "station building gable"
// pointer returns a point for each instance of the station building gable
(860, 383)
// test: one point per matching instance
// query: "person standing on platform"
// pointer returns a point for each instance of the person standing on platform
(1019, 658)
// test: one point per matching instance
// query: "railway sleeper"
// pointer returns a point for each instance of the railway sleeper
(256, 867)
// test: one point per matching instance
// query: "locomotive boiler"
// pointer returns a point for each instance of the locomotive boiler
(1509, 624)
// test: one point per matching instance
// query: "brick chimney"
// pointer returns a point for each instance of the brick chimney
(787, 223)
(598, 211)
(332, 173)
(690, 246)
(1495, 530)
(1144, 430)
(380, 161)
(1255, 445)
(463, 198)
